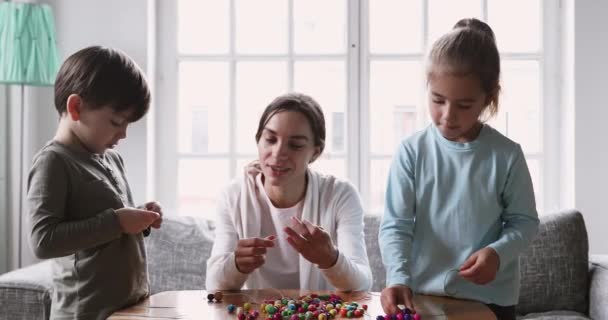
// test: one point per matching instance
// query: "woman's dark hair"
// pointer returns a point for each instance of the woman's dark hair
(300, 103)
(103, 77)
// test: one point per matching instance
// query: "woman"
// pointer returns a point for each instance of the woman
(281, 224)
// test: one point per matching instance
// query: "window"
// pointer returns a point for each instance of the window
(221, 62)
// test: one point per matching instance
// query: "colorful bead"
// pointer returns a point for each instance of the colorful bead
(231, 308)
(218, 296)
(210, 297)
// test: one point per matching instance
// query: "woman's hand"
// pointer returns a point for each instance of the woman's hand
(250, 253)
(481, 267)
(391, 297)
(312, 242)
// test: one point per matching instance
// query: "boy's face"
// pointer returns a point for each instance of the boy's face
(101, 128)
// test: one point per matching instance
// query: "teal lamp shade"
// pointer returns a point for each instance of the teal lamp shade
(28, 53)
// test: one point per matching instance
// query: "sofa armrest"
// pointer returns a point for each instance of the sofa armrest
(26, 293)
(598, 287)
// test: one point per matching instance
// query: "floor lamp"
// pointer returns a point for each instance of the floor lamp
(28, 56)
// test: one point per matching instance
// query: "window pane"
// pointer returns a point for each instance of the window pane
(261, 26)
(395, 26)
(203, 107)
(203, 26)
(334, 167)
(396, 93)
(319, 26)
(325, 81)
(520, 103)
(378, 175)
(200, 182)
(520, 35)
(257, 84)
(536, 173)
(443, 15)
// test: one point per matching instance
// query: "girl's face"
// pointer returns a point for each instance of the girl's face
(286, 147)
(101, 128)
(455, 104)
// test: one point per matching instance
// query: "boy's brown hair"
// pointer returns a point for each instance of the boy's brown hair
(103, 77)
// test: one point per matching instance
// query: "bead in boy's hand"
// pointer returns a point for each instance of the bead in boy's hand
(481, 267)
(133, 221)
(156, 207)
(391, 297)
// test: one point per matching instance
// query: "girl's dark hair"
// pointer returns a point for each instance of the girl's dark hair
(470, 48)
(103, 77)
(300, 103)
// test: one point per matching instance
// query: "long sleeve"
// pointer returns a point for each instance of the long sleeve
(222, 273)
(352, 270)
(52, 234)
(519, 216)
(397, 228)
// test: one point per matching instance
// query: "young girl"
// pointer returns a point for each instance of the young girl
(80, 203)
(459, 203)
(282, 225)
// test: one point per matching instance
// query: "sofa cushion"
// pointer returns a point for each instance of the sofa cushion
(554, 315)
(178, 252)
(554, 269)
(372, 225)
(26, 293)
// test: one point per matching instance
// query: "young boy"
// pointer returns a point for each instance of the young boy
(80, 204)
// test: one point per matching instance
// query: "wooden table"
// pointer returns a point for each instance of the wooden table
(194, 305)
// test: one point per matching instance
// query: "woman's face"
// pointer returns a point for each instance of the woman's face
(286, 147)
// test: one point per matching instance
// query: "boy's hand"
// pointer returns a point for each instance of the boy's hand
(481, 267)
(250, 253)
(395, 295)
(133, 221)
(155, 206)
(312, 242)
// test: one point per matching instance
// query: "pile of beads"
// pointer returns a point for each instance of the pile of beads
(310, 307)
(405, 314)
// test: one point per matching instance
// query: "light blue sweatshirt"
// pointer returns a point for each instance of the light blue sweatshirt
(444, 201)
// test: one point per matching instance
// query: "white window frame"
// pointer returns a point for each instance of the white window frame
(357, 62)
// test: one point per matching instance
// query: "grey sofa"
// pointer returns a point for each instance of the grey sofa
(559, 280)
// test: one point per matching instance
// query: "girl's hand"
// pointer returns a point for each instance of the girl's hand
(133, 221)
(481, 267)
(250, 253)
(312, 242)
(395, 295)
(155, 207)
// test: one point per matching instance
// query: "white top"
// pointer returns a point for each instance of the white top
(329, 202)
(282, 261)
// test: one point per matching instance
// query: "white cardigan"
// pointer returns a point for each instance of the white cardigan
(331, 203)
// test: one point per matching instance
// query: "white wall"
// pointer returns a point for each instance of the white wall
(590, 117)
(3, 182)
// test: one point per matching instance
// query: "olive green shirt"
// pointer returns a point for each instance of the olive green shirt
(72, 195)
